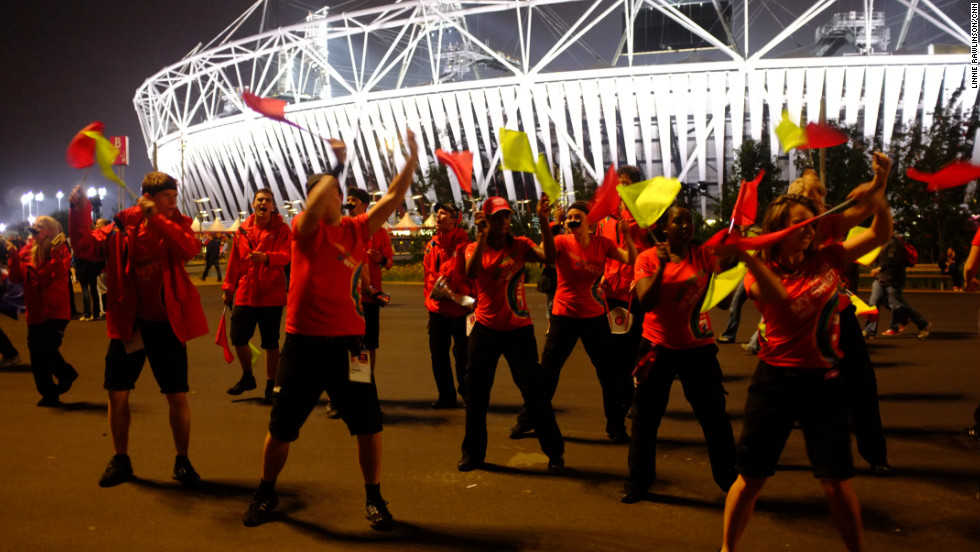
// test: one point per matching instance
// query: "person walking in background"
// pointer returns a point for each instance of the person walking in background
(212, 256)
(255, 287)
(11, 356)
(87, 272)
(890, 277)
(43, 266)
(950, 264)
(154, 310)
(444, 262)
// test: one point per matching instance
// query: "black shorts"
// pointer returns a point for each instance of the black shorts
(244, 319)
(778, 397)
(310, 365)
(167, 356)
(372, 325)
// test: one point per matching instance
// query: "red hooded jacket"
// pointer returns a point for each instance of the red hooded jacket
(445, 256)
(258, 284)
(114, 242)
(45, 286)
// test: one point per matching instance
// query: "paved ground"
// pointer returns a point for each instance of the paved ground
(51, 459)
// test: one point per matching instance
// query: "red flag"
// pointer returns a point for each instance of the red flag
(461, 162)
(222, 340)
(823, 136)
(747, 204)
(606, 198)
(269, 107)
(952, 175)
(755, 242)
(81, 150)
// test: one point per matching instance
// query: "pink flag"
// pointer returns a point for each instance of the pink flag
(461, 162)
(952, 175)
(269, 107)
(81, 150)
(222, 339)
(606, 198)
(823, 136)
(747, 204)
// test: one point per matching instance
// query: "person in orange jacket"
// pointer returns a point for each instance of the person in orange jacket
(153, 310)
(42, 266)
(256, 285)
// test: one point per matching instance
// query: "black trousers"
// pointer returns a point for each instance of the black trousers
(563, 334)
(700, 375)
(43, 342)
(625, 349)
(861, 387)
(87, 274)
(207, 268)
(446, 331)
(520, 350)
(7, 348)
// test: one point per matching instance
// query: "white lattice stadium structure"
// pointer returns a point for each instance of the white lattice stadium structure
(572, 74)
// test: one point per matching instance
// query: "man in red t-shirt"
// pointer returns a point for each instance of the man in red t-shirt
(153, 310)
(324, 326)
(503, 327)
(256, 284)
(444, 258)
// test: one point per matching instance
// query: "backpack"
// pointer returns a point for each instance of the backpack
(911, 255)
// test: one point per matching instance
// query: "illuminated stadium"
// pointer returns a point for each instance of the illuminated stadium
(673, 87)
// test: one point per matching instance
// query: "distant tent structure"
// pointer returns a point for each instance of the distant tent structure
(406, 223)
(196, 225)
(430, 222)
(234, 227)
(216, 226)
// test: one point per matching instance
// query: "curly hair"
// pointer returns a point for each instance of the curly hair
(777, 218)
(156, 182)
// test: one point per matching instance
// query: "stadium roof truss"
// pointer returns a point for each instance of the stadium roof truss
(368, 75)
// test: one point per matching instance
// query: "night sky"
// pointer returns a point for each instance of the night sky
(66, 64)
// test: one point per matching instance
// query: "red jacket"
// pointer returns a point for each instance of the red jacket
(445, 256)
(45, 286)
(258, 284)
(112, 243)
(380, 242)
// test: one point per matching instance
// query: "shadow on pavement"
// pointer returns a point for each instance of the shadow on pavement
(16, 368)
(921, 396)
(408, 533)
(85, 406)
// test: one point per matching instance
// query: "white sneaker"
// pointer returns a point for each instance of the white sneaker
(10, 361)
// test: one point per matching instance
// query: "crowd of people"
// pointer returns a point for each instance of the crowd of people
(632, 296)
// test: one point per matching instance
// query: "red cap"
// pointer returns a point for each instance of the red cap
(495, 204)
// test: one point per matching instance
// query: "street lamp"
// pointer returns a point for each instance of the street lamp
(38, 198)
(102, 193)
(3, 228)
(23, 205)
(30, 198)
(90, 192)
(59, 195)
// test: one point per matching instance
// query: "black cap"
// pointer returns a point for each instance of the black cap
(359, 194)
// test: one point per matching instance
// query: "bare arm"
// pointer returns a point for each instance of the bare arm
(628, 255)
(648, 289)
(545, 252)
(396, 191)
(482, 227)
(866, 195)
(879, 234)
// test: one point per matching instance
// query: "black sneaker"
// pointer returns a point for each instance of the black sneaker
(270, 391)
(619, 437)
(64, 384)
(466, 463)
(184, 472)
(247, 383)
(520, 431)
(119, 470)
(379, 516)
(332, 412)
(881, 470)
(444, 403)
(49, 401)
(258, 511)
(556, 464)
(630, 494)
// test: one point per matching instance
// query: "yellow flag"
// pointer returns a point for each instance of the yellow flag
(862, 308)
(868, 258)
(548, 185)
(105, 155)
(649, 199)
(789, 133)
(256, 352)
(722, 285)
(516, 151)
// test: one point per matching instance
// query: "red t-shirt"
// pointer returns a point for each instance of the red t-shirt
(380, 242)
(803, 331)
(323, 289)
(500, 301)
(619, 276)
(579, 271)
(677, 322)
(148, 255)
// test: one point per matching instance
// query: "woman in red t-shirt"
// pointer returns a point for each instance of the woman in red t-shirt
(671, 281)
(43, 267)
(794, 284)
(579, 312)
